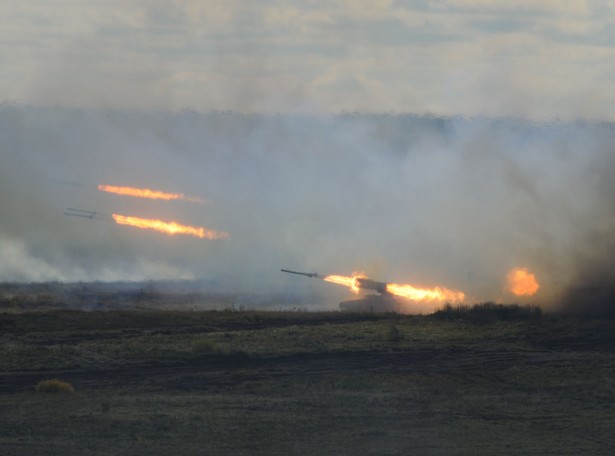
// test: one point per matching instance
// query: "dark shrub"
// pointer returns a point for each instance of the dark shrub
(489, 312)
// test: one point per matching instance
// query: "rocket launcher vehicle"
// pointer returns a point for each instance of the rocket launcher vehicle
(382, 302)
(387, 299)
(354, 282)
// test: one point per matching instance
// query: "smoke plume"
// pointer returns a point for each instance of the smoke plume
(455, 202)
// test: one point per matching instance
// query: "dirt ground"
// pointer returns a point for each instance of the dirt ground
(238, 383)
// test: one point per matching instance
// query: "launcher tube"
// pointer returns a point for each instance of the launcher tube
(307, 274)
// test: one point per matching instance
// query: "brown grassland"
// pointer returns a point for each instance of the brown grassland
(488, 381)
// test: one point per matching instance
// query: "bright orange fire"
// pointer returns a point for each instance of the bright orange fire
(147, 193)
(170, 228)
(522, 282)
(437, 294)
(350, 282)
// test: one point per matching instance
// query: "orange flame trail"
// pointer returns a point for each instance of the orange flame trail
(170, 228)
(521, 282)
(426, 295)
(437, 294)
(148, 193)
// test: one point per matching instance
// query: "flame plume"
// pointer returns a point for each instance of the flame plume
(170, 228)
(148, 193)
(437, 294)
(427, 295)
(350, 282)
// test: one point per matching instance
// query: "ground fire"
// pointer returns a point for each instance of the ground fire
(389, 296)
(148, 193)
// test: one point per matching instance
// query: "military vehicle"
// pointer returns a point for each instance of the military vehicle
(381, 302)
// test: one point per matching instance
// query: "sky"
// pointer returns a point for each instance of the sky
(543, 60)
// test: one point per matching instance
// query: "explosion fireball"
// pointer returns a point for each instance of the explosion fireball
(521, 282)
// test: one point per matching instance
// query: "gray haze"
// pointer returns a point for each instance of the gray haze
(533, 59)
(428, 201)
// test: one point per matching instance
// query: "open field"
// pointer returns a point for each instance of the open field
(229, 382)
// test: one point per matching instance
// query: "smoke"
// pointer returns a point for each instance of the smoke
(454, 202)
(591, 289)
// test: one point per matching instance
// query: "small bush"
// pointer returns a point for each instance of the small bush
(204, 346)
(395, 335)
(54, 386)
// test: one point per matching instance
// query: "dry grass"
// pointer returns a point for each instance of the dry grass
(306, 383)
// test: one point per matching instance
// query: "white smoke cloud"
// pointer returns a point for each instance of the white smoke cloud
(19, 265)
(408, 199)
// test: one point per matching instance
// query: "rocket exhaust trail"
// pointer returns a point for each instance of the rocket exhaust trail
(148, 193)
(169, 227)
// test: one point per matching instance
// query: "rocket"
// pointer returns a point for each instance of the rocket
(92, 215)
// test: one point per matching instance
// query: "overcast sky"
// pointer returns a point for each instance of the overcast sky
(539, 59)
